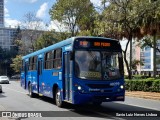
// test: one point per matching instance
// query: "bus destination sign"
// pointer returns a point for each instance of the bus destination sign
(102, 44)
(95, 44)
(84, 44)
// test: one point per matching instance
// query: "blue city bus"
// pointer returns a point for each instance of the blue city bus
(77, 70)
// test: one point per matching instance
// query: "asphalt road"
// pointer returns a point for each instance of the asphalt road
(15, 99)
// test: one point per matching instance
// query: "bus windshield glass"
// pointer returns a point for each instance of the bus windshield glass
(98, 65)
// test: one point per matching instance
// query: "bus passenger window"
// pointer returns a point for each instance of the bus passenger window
(48, 59)
(23, 65)
(57, 60)
(34, 63)
(30, 63)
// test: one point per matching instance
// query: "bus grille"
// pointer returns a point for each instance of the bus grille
(104, 98)
(99, 86)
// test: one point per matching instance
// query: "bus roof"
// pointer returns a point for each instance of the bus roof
(60, 44)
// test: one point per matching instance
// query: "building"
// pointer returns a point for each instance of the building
(136, 53)
(145, 55)
(6, 34)
(28, 38)
(6, 37)
(147, 59)
(1, 13)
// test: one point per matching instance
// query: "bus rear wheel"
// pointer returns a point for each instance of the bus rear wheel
(58, 98)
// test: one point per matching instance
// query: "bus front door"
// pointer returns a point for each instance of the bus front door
(68, 77)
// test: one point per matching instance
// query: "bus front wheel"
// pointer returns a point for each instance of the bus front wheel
(58, 98)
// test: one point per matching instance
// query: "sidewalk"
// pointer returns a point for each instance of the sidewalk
(146, 95)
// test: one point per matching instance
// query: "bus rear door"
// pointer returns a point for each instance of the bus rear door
(67, 77)
(25, 74)
(39, 80)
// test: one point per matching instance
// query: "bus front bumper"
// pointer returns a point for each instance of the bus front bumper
(88, 98)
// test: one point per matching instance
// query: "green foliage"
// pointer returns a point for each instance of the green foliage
(47, 39)
(131, 19)
(138, 77)
(148, 85)
(84, 33)
(73, 14)
(5, 60)
(150, 78)
(17, 63)
(135, 63)
(156, 86)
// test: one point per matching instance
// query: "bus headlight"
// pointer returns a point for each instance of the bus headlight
(79, 88)
(122, 87)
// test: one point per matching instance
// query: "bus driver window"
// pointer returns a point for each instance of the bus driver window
(80, 62)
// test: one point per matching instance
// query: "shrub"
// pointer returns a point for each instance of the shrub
(149, 85)
(156, 86)
(150, 78)
(139, 77)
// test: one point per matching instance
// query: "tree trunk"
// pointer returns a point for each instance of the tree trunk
(125, 58)
(154, 56)
(130, 75)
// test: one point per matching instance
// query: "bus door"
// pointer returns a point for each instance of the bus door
(25, 74)
(39, 80)
(68, 77)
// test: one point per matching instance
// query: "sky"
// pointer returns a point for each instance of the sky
(16, 9)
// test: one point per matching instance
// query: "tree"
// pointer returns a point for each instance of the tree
(5, 56)
(17, 41)
(122, 22)
(17, 63)
(31, 31)
(150, 24)
(30, 21)
(135, 63)
(47, 39)
(148, 41)
(72, 13)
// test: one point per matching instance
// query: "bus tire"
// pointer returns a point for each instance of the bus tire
(58, 98)
(31, 94)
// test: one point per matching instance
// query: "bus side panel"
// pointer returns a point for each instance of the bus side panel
(54, 80)
(50, 78)
(34, 81)
(31, 79)
(28, 79)
(23, 80)
(24, 73)
(46, 90)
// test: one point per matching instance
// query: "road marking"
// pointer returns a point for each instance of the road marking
(15, 90)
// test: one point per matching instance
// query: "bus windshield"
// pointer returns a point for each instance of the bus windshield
(98, 65)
